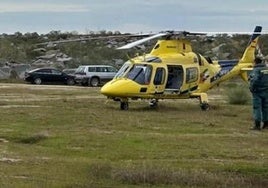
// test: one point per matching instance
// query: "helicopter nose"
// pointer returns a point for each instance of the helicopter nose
(118, 88)
(107, 89)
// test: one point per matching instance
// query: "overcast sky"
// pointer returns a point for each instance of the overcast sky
(133, 16)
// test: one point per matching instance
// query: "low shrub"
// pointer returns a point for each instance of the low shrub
(238, 94)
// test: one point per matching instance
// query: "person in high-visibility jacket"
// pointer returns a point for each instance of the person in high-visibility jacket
(259, 89)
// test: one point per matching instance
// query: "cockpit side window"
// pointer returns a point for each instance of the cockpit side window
(191, 74)
(159, 76)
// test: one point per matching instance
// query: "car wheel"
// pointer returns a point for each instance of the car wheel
(70, 81)
(94, 82)
(37, 81)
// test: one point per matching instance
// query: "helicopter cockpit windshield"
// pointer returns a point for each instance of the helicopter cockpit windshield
(123, 70)
(140, 73)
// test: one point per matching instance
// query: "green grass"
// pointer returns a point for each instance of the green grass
(58, 137)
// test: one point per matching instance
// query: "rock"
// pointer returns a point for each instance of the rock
(40, 50)
(51, 56)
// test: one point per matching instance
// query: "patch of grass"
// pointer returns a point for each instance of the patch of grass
(12, 80)
(2, 103)
(34, 138)
(101, 170)
(71, 137)
(151, 175)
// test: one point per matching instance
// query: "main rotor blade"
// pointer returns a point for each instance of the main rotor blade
(138, 42)
(88, 38)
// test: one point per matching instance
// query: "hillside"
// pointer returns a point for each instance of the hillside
(38, 50)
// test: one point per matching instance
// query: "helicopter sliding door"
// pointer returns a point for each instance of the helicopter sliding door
(175, 78)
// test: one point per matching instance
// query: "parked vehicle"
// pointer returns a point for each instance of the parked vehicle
(48, 75)
(94, 75)
(69, 71)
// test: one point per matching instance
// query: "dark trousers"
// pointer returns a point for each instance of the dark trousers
(260, 106)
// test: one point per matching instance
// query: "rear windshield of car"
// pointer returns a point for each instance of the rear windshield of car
(44, 71)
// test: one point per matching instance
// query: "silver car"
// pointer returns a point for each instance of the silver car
(94, 75)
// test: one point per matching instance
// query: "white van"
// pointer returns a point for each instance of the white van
(94, 75)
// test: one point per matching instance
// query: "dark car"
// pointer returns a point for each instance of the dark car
(48, 75)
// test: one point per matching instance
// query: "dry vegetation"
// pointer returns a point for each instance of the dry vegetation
(58, 136)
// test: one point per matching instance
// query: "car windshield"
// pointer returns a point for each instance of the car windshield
(140, 73)
(80, 69)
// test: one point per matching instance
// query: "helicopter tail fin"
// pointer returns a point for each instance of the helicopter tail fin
(249, 53)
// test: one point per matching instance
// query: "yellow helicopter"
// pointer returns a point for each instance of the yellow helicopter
(173, 71)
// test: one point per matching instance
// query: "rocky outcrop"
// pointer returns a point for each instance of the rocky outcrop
(14, 71)
(52, 58)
